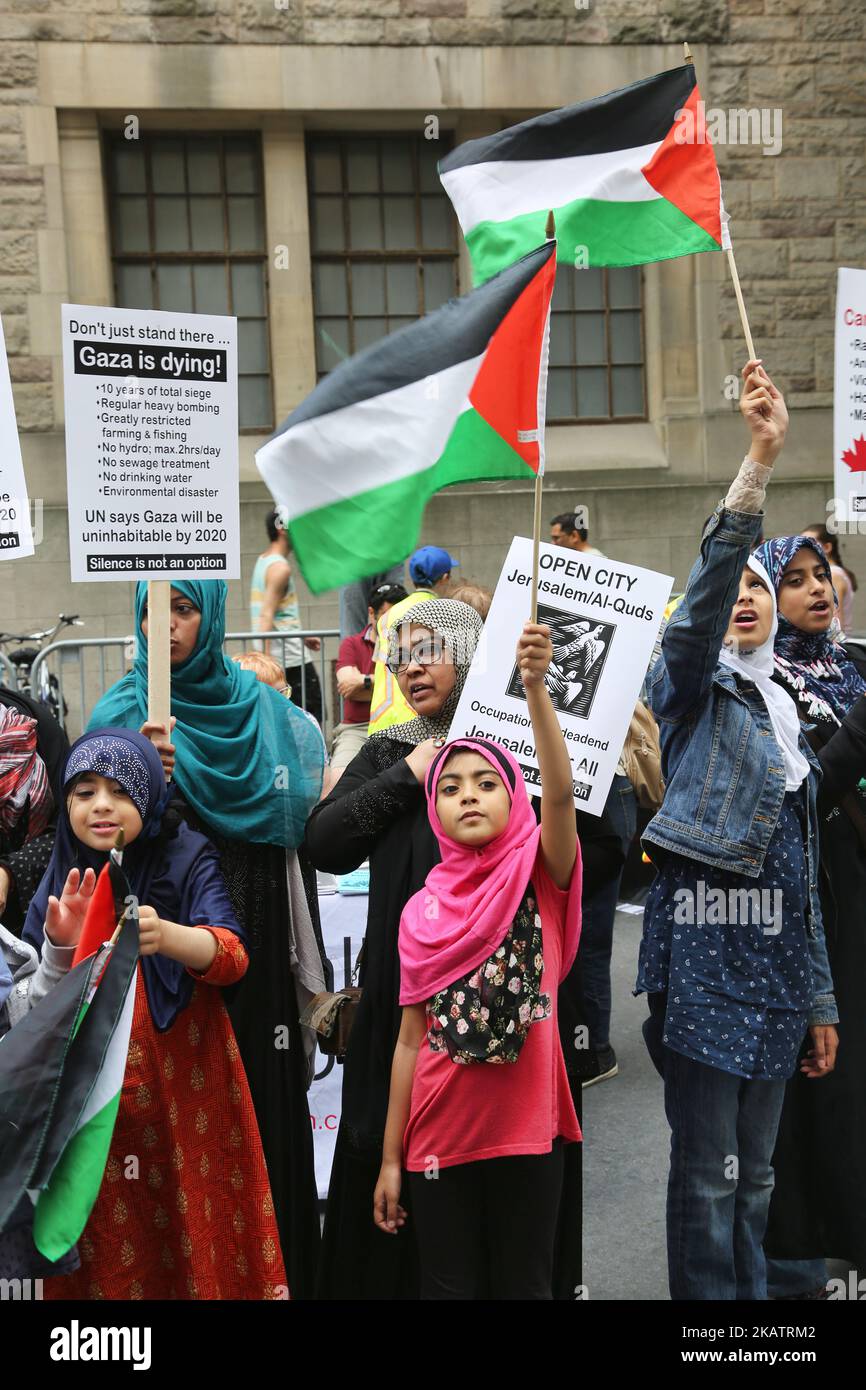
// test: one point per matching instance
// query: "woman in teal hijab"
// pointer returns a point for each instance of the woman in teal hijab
(248, 768)
(247, 760)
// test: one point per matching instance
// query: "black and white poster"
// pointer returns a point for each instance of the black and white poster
(151, 444)
(604, 617)
(16, 536)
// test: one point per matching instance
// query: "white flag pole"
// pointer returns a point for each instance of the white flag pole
(159, 653)
(550, 235)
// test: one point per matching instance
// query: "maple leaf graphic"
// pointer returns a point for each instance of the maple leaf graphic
(855, 457)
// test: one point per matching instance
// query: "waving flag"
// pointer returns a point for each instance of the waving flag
(456, 397)
(61, 1073)
(631, 178)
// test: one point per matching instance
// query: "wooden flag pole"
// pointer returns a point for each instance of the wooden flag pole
(159, 652)
(549, 234)
(747, 332)
(536, 544)
(732, 264)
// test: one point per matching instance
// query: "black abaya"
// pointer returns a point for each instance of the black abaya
(261, 1006)
(818, 1208)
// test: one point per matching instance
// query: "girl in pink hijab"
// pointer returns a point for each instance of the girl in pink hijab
(479, 1104)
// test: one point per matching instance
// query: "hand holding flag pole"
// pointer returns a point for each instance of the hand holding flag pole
(549, 235)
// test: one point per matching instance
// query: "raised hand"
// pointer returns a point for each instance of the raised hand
(763, 408)
(534, 653)
(64, 918)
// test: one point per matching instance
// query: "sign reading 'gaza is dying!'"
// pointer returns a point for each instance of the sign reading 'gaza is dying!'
(151, 444)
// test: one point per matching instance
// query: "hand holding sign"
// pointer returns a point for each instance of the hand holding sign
(160, 738)
(589, 651)
(534, 653)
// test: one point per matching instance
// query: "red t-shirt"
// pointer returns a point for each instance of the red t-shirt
(357, 650)
(459, 1114)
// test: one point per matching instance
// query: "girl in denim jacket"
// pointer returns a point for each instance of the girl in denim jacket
(733, 956)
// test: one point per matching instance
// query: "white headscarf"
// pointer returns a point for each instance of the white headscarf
(757, 666)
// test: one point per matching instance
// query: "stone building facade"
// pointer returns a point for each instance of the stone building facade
(72, 76)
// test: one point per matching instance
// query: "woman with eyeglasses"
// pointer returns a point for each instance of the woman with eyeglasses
(378, 811)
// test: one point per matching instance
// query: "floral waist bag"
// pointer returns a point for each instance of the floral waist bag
(486, 1016)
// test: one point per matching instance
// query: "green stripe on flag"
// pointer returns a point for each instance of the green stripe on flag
(614, 234)
(366, 533)
(64, 1207)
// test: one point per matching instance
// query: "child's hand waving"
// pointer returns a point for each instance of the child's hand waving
(764, 411)
(65, 915)
(534, 653)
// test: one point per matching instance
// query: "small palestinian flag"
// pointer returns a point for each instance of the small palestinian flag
(61, 1073)
(631, 177)
(456, 397)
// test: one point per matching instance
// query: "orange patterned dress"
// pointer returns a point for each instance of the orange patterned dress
(185, 1208)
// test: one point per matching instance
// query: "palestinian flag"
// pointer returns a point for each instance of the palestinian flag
(61, 1072)
(456, 397)
(631, 177)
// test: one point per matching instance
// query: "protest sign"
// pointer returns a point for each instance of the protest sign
(16, 537)
(849, 398)
(604, 618)
(151, 444)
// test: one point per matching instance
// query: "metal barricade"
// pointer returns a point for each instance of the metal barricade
(86, 668)
(8, 674)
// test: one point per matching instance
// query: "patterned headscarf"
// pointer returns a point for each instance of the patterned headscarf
(461, 628)
(23, 779)
(117, 758)
(162, 864)
(477, 891)
(812, 665)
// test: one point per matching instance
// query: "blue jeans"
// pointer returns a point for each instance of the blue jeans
(723, 1132)
(599, 912)
(788, 1278)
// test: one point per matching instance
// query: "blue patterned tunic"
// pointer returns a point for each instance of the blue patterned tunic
(739, 981)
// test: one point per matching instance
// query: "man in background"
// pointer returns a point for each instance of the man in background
(274, 608)
(564, 530)
(355, 678)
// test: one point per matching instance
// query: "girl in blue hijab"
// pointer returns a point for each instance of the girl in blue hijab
(817, 1208)
(810, 662)
(247, 760)
(199, 1221)
(248, 765)
(169, 867)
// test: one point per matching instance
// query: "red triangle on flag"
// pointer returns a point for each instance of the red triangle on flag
(505, 391)
(101, 917)
(683, 169)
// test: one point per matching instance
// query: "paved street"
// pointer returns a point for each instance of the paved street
(626, 1156)
(626, 1138)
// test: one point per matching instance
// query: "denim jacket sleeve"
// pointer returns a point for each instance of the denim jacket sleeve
(823, 1008)
(683, 674)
